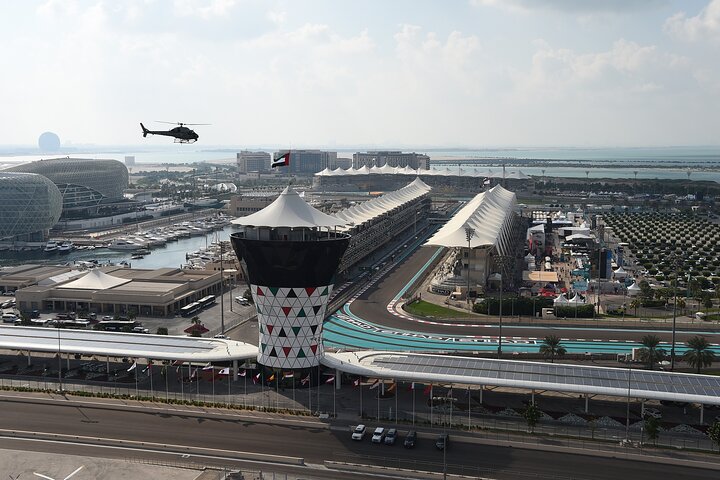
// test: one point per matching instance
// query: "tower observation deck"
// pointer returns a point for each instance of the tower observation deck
(291, 252)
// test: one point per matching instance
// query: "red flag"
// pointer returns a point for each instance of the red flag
(305, 380)
(243, 373)
(427, 390)
(281, 160)
(356, 382)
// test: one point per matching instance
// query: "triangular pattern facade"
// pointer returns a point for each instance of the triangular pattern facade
(290, 324)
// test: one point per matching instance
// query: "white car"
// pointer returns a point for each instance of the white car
(378, 435)
(359, 432)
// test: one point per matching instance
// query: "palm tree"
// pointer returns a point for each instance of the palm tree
(650, 353)
(552, 348)
(699, 353)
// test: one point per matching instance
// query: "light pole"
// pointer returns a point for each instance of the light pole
(222, 290)
(59, 357)
(499, 351)
(469, 234)
(627, 412)
(672, 347)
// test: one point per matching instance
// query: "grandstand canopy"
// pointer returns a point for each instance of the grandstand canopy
(487, 214)
(583, 379)
(134, 345)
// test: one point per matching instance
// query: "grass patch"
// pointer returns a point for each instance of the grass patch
(426, 309)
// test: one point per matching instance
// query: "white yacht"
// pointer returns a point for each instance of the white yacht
(122, 244)
(51, 246)
(65, 247)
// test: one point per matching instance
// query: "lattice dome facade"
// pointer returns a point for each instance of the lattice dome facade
(109, 178)
(31, 203)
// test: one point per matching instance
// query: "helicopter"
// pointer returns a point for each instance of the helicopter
(181, 133)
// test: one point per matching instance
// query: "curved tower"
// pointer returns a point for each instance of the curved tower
(291, 253)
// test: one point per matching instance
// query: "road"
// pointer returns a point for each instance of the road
(311, 440)
(372, 306)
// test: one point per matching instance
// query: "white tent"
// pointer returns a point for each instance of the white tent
(289, 210)
(95, 280)
(576, 300)
(561, 300)
(620, 273)
(633, 290)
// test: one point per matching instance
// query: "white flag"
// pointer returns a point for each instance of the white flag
(132, 367)
(224, 371)
(375, 384)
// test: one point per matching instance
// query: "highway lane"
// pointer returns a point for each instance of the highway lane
(315, 442)
(372, 304)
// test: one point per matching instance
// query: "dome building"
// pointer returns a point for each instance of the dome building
(85, 184)
(31, 206)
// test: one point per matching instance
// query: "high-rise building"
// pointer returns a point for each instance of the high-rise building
(290, 252)
(248, 161)
(309, 161)
(418, 161)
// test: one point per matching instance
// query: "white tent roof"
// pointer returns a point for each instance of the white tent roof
(576, 299)
(324, 173)
(488, 214)
(634, 288)
(620, 271)
(561, 299)
(96, 280)
(289, 210)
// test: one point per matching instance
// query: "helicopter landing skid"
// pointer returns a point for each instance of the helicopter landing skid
(182, 140)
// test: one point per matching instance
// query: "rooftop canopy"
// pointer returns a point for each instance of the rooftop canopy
(135, 345)
(439, 369)
(289, 210)
(96, 280)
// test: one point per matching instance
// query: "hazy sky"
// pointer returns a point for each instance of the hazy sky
(386, 72)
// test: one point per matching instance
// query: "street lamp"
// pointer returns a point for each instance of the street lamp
(469, 234)
(222, 291)
(57, 324)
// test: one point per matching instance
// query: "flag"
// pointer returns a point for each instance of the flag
(428, 390)
(225, 371)
(148, 368)
(177, 362)
(194, 373)
(305, 380)
(330, 380)
(288, 375)
(356, 382)
(208, 366)
(272, 377)
(281, 160)
(411, 386)
(256, 378)
(375, 384)
(392, 387)
(243, 373)
(132, 367)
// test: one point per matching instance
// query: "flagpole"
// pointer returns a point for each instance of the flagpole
(152, 392)
(197, 382)
(334, 388)
(309, 392)
(293, 386)
(361, 395)
(245, 396)
(167, 390)
(277, 393)
(378, 400)
(262, 387)
(318, 388)
(213, 385)
(182, 383)
(397, 392)
(230, 376)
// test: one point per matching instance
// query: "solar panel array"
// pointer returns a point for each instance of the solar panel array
(485, 371)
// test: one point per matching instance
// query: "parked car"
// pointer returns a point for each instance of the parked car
(35, 314)
(242, 300)
(378, 435)
(359, 432)
(410, 439)
(8, 317)
(442, 441)
(140, 330)
(390, 437)
(107, 317)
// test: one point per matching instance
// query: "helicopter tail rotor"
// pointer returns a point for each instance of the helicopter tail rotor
(145, 130)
